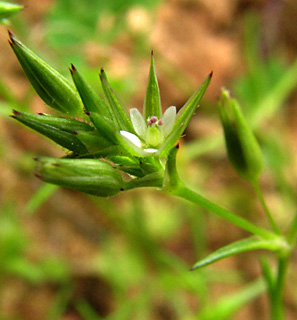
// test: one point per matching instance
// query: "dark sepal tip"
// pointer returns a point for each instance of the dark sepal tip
(10, 34)
(12, 38)
(75, 132)
(41, 113)
(15, 112)
(152, 52)
(177, 146)
(72, 69)
(12, 116)
(87, 113)
(102, 70)
(210, 75)
(37, 175)
(36, 159)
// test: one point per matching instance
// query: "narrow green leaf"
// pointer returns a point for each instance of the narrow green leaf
(92, 102)
(152, 102)
(63, 138)
(184, 116)
(8, 9)
(39, 197)
(51, 86)
(119, 114)
(248, 244)
(227, 307)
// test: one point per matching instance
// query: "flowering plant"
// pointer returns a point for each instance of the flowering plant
(107, 143)
(111, 151)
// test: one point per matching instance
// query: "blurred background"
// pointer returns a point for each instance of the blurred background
(65, 255)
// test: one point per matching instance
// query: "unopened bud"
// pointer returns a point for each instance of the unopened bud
(50, 85)
(96, 177)
(243, 149)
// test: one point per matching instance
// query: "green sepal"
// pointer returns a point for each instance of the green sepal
(96, 177)
(243, 149)
(154, 179)
(65, 138)
(104, 127)
(8, 9)
(92, 102)
(63, 124)
(152, 101)
(248, 244)
(95, 144)
(128, 165)
(119, 114)
(183, 117)
(51, 86)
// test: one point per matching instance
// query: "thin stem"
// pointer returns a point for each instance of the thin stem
(181, 191)
(259, 193)
(277, 307)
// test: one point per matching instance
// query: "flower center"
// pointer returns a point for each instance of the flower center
(154, 135)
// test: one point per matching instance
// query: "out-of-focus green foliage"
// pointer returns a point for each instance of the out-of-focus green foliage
(7, 10)
(72, 22)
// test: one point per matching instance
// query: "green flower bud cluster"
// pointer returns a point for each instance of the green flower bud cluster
(110, 142)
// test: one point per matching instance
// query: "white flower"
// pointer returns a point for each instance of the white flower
(151, 132)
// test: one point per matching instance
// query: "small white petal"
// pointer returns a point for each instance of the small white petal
(131, 138)
(138, 122)
(150, 151)
(168, 119)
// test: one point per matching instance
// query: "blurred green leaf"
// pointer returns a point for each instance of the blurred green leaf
(248, 244)
(8, 9)
(227, 307)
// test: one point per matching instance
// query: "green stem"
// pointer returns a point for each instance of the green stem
(276, 303)
(192, 196)
(277, 308)
(175, 186)
(259, 193)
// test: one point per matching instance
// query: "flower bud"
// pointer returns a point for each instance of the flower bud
(90, 176)
(242, 147)
(59, 130)
(50, 85)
